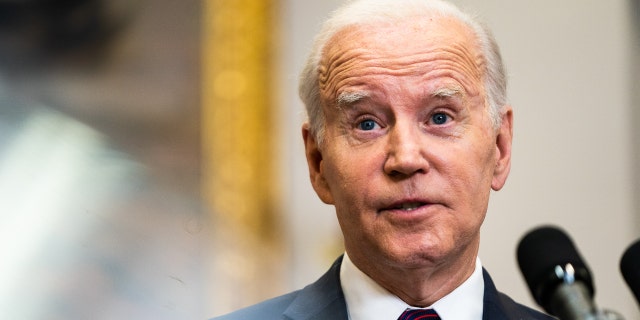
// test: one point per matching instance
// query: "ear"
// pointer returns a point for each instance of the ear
(315, 163)
(503, 150)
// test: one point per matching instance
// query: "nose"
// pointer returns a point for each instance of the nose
(406, 153)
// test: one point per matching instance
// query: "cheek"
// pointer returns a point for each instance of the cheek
(351, 181)
(480, 154)
(470, 173)
(350, 175)
(480, 187)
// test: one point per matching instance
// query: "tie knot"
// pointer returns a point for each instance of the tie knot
(415, 314)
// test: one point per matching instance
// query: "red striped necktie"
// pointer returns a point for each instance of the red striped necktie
(419, 314)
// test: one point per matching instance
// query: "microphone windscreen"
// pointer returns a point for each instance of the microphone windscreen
(540, 252)
(630, 268)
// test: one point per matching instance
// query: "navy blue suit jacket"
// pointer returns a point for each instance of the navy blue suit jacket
(324, 300)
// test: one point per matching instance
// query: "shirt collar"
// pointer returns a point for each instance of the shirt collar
(367, 300)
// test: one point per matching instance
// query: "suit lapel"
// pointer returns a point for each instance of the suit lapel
(322, 299)
(493, 307)
(498, 306)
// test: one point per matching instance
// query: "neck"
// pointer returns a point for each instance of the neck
(422, 286)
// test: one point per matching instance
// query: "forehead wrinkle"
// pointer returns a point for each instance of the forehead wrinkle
(474, 61)
(471, 66)
(335, 63)
(445, 67)
(343, 65)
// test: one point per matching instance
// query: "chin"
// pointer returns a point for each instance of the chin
(419, 257)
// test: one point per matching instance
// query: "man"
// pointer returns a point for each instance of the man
(408, 132)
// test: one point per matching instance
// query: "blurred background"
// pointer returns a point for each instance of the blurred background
(151, 164)
(101, 215)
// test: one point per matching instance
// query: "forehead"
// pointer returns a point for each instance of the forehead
(428, 48)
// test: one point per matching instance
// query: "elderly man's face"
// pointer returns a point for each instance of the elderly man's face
(409, 154)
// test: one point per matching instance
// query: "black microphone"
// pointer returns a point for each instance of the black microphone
(556, 274)
(630, 268)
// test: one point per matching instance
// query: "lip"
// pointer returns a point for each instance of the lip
(407, 206)
(408, 213)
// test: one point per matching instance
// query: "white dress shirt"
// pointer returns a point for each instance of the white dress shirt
(367, 300)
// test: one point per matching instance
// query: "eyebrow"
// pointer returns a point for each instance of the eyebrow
(350, 97)
(447, 92)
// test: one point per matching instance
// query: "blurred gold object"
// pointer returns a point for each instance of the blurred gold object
(239, 151)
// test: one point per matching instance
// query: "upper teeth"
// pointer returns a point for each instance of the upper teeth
(409, 206)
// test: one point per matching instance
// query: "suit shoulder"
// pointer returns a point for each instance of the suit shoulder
(322, 299)
(520, 311)
(498, 305)
(268, 309)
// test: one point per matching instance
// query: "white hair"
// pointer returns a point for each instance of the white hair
(360, 12)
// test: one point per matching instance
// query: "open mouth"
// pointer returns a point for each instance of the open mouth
(406, 206)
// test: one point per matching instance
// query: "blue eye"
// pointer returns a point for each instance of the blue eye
(439, 118)
(367, 125)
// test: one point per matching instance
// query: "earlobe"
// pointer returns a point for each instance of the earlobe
(315, 164)
(503, 150)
